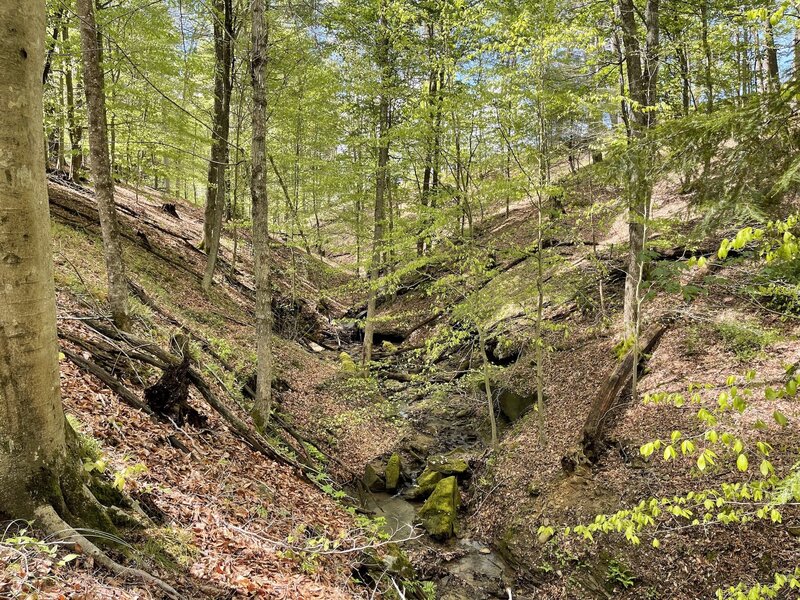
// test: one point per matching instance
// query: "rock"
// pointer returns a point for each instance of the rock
(426, 483)
(346, 363)
(393, 561)
(393, 469)
(448, 465)
(372, 481)
(438, 514)
(514, 405)
(316, 347)
(421, 443)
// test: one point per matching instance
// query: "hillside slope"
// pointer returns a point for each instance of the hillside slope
(230, 514)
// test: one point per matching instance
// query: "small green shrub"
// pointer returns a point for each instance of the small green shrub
(620, 574)
(746, 340)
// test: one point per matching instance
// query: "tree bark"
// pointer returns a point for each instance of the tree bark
(642, 71)
(75, 128)
(216, 192)
(32, 424)
(773, 70)
(94, 86)
(381, 184)
(262, 403)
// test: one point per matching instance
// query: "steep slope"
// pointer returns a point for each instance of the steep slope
(231, 513)
(429, 387)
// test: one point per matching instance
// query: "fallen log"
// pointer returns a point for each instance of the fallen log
(605, 401)
(112, 382)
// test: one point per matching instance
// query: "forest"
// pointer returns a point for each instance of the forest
(400, 299)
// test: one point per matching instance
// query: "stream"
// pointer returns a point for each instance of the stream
(466, 569)
(462, 568)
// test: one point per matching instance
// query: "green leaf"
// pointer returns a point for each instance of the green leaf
(780, 418)
(741, 463)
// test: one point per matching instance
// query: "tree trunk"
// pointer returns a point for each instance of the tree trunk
(708, 56)
(75, 128)
(33, 453)
(263, 313)
(772, 58)
(487, 384)
(215, 196)
(642, 71)
(381, 185)
(94, 86)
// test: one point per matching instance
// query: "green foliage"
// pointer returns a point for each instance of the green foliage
(619, 574)
(746, 340)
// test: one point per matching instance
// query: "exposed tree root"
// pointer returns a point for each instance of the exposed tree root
(49, 520)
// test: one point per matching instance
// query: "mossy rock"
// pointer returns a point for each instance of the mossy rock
(392, 561)
(438, 514)
(448, 465)
(392, 474)
(372, 481)
(514, 405)
(425, 485)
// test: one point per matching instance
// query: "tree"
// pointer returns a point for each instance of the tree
(222, 15)
(383, 59)
(642, 68)
(94, 86)
(41, 476)
(263, 400)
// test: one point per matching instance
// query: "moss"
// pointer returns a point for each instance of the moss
(438, 514)
(448, 465)
(393, 468)
(426, 483)
(171, 548)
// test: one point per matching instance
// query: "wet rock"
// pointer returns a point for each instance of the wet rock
(393, 561)
(514, 405)
(421, 443)
(425, 485)
(393, 469)
(372, 481)
(449, 465)
(438, 514)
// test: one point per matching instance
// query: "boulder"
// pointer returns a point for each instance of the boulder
(372, 481)
(514, 405)
(426, 483)
(448, 465)
(392, 474)
(438, 514)
(391, 560)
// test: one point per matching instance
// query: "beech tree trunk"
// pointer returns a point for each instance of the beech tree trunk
(94, 86)
(262, 404)
(33, 444)
(41, 476)
(216, 192)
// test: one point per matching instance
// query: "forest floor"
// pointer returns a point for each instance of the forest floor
(230, 521)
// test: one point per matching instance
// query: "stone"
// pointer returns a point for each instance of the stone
(391, 560)
(448, 465)
(514, 405)
(372, 481)
(421, 443)
(438, 514)
(425, 484)
(392, 474)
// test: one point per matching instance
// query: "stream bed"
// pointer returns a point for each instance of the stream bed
(465, 569)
